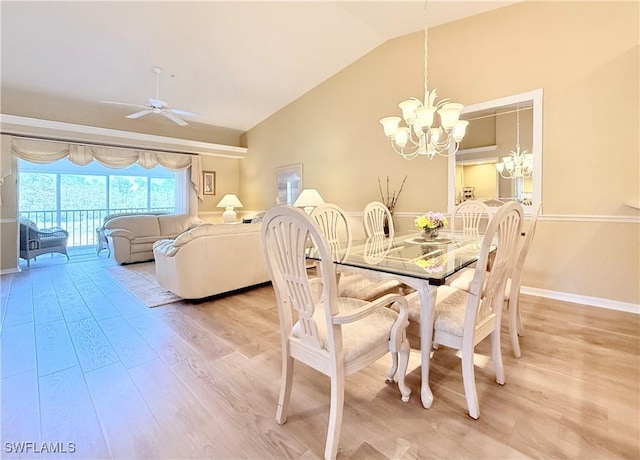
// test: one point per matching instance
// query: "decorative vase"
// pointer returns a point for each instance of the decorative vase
(385, 226)
(429, 234)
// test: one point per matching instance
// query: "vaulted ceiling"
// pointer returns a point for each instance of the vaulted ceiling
(235, 63)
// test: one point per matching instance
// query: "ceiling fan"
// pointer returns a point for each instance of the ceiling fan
(155, 105)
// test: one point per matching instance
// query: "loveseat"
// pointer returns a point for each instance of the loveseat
(101, 238)
(131, 237)
(211, 259)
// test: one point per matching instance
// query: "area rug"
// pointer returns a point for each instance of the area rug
(140, 280)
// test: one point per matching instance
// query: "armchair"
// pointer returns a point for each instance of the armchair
(35, 241)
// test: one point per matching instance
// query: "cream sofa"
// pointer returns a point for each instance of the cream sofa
(131, 238)
(211, 259)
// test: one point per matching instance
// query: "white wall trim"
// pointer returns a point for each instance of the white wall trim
(590, 218)
(24, 126)
(584, 300)
(8, 271)
(552, 217)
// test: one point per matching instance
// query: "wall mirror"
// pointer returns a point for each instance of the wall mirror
(495, 127)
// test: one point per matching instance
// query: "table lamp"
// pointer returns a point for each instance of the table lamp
(229, 201)
(308, 199)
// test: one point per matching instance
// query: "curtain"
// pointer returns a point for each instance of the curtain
(38, 151)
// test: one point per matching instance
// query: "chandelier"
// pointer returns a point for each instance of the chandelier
(419, 136)
(518, 164)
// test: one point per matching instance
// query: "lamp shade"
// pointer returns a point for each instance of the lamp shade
(308, 197)
(229, 201)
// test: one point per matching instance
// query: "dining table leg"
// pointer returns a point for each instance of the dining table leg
(427, 295)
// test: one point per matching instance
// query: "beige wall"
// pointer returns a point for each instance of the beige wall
(8, 207)
(482, 178)
(25, 104)
(585, 57)
(480, 133)
(227, 181)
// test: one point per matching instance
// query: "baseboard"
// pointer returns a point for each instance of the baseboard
(8, 271)
(584, 300)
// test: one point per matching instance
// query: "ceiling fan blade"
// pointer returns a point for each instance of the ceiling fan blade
(183, 112)
(140, 114)
(173, 118)
(123, 103)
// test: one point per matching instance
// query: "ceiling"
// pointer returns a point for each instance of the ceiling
(235, 63)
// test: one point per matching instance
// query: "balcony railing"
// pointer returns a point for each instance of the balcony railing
(80, 223)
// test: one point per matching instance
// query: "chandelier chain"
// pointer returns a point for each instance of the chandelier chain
(426, 53)
(517, 128)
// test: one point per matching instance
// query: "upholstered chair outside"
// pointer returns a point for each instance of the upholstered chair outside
(469, 214)
(35, 241)
(513, 284)
(463, 318)
(333, 224)
(336, 336)
(377, 219)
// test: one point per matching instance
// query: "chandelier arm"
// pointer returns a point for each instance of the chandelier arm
(410, 155)
(448, 154)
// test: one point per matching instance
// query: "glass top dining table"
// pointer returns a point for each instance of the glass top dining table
(423, 265)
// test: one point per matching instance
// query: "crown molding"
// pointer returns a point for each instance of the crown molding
(59, 131)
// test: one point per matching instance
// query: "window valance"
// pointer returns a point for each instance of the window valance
(39, 151)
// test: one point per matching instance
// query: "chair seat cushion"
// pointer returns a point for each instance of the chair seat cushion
(360, 336)
(359, 287)
(451, 304)
(449, 311)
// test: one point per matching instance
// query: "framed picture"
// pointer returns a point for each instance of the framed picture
(208, 182)
(288, 183)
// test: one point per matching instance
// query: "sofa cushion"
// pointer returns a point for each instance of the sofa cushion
(174, 224)
(138, 225)
(192, 233)
(205, 230)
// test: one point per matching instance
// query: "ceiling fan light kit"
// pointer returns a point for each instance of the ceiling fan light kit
(157, 106)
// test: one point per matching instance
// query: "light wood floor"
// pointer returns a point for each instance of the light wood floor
(84, 362)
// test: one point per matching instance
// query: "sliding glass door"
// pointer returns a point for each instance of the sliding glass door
(77, 198)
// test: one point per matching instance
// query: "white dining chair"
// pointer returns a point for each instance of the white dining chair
(334, 335)
(513, 284)
(470, 213)
(334, 225)
(376, 215)
(463, 318)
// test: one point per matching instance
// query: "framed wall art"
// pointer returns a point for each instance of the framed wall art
(288, 183)
(208, 182)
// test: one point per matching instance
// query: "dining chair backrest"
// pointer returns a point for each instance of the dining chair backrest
(470, 213)
(377, 219)
(334, 226)
(488, 286)
(519, 260)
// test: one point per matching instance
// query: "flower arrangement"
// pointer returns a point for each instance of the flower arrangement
(391, 198)
(432, 265)
(431, 220)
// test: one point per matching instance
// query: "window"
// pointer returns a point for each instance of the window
(77, 198)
